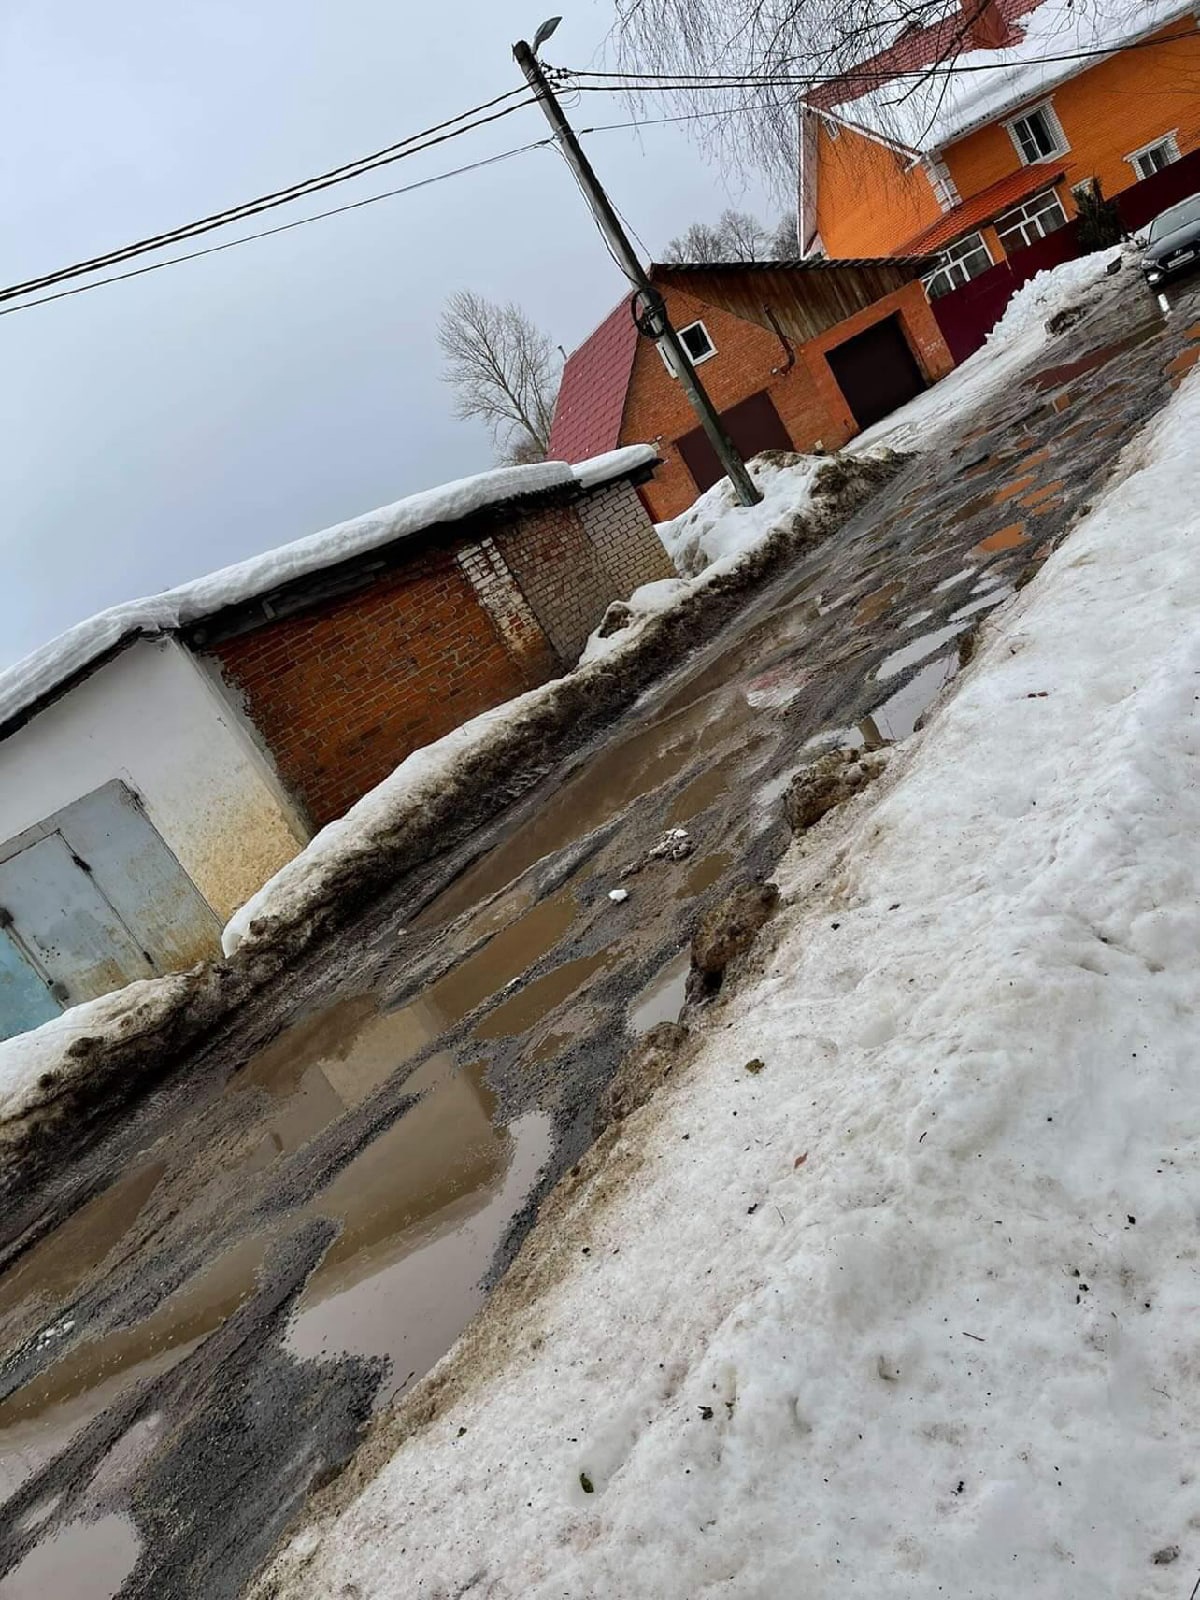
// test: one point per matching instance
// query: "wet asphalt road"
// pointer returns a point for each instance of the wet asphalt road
(292, 1227)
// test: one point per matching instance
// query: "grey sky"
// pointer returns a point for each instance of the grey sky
(157, 429)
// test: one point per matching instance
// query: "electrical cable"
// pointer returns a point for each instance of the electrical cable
(414, 144)
(657, 82)
(283, 227)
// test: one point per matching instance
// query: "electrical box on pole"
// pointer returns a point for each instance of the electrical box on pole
(652, 318)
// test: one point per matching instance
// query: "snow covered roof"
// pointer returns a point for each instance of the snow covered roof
(25, 686)
(932, 113)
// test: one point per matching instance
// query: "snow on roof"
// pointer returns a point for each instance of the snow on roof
(930, 114)
(39, 674)
(615, 464)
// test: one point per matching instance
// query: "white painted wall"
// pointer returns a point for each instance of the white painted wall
(152, 717)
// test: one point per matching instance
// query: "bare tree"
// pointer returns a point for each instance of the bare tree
(737, 236)
(503, 370)
(779, 48)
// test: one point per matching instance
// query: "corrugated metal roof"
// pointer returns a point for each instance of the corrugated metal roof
(591, 396)
(982, 207)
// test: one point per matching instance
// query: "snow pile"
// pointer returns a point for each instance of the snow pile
(1012, 343)
(913, 1309)
(1047, 292)
(927, 114)
(33, 1064)
(41, 672)
(717, 528)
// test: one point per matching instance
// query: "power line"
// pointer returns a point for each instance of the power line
(283, 227)
(414, 144)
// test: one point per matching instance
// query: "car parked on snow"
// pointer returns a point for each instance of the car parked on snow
(1172, 241)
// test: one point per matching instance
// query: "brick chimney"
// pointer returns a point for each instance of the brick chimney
(986, 28)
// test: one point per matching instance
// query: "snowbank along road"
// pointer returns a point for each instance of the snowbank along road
(202, 1311)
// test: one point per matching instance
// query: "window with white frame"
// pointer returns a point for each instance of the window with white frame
(1038, 134)
(1152, 158)
(958, 265)
(695, 340)
(1030, 221)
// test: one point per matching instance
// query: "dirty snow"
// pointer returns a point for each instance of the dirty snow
(1014, 341)
(54, 663)
(716, 527)
(928, 114)
(25, 1059)
(914, 1310)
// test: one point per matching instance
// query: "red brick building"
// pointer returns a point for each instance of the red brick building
(792, 354)
(346, 669)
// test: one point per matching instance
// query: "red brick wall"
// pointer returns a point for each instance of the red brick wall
(342, 693)
(749, 359)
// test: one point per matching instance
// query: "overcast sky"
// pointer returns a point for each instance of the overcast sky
(158, 429)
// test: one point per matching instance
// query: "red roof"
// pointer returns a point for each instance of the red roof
(980, 208)
(923, 47)
(591, 396)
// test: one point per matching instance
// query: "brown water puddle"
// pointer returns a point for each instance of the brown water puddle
(703, 790)
(1055, 377)
(39, 1419)
(334, 1060)
(641, 763)
(537, 999)
(662, 999)
(874, 606)
(422, 1209)
(704, 873)
(1008, 538)
(58, 1264)
(82, 1561)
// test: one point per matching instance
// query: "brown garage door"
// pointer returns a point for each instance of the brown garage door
(876, 371)
(752, 424)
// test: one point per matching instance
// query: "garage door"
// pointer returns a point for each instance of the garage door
(876, 371)
(752, 424)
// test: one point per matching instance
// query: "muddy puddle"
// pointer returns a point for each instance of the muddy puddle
(635, 767)
(422, 1210)
(897, 717)
(40, 1418)
(86, 1560)
(663, 997)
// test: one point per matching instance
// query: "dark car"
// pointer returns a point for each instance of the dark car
(1173, 241)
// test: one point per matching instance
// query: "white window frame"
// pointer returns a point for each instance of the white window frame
(1029, 224)
(1167, 141)
(1044, 108)
(952, 264)
(697, 361)
(832, 129)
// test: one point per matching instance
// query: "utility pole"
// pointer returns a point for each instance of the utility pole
(655, 314)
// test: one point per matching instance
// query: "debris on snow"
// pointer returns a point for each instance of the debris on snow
(727, 932)
(830, 781)
(675, 845)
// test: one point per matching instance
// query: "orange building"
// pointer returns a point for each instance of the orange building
(792, 355)
(978, 164)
